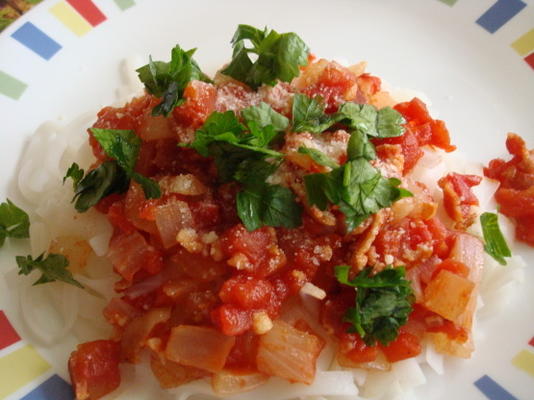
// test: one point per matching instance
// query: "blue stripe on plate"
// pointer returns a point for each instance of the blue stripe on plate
(499, 14)
(54, 388)
(36, 40)
(492, 390)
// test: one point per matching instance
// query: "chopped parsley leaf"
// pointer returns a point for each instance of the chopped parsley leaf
(277, 56)
(309, 116)
(241, 153)
(168, 80)
(53, 268)
(319, 157)
(494, 243)
(14, 222)
(124, 146)
(357, 188)
(383, 303)
(106, 179)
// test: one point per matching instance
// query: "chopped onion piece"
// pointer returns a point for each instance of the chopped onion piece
(408, 373)
(138, 330)
(288, 353)
(312, 290)
(434, 359)
(226, 383)
(199, 347)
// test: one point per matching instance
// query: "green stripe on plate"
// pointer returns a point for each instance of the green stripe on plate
(449, 2)
(11, 87)
(125, 4)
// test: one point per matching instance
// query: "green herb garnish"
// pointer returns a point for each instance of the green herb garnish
(319, 157)
(356, 187)
(124, 146)
(14, 222)
(53, 267)
(495, 244)
(111, 176)
(167, 80)
(383, 303)
(309, 116)
(276, 56)
(106, 179)
(241, 151)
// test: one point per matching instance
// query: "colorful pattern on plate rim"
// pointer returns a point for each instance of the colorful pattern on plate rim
(28, 371)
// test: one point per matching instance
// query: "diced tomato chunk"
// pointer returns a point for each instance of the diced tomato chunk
(404, 346)
(247, 292)
(333, 310)
(332, 85)
(199, 104)
(119, 313)
(369, 84)
(231, 320)
(94, 369)
(354, 348)
(410, 147)
(128, 117)
(104, 204)
(262, 256)
(420, 130)
(409, 240)
(441, 237)
(453, 266)
(117, 216)
(252, 244)
(130, 253)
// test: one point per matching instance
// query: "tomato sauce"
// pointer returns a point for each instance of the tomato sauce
(188, 269)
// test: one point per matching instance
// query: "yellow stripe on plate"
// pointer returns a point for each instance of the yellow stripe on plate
(525, 44)
(20, 368)
(524, 360)
(70, 18)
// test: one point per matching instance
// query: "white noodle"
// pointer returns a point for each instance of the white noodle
(70, 310)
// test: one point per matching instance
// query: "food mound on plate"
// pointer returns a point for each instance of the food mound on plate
(277, 210)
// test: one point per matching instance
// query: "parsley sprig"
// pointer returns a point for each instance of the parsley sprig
(14, 222)
(53, 267)
(167, 80)
(278, 56)
(383, 302)
(112, 176)
(308, 115)
(357, 188)
(242, 153)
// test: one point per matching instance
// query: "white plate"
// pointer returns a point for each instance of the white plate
(480, 84)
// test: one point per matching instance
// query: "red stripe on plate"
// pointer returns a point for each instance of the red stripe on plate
(531, 340)
(530, 61)
(8, 335)
(88, 10)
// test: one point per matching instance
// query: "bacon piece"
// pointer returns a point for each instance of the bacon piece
(458, 198)
(516, 192)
